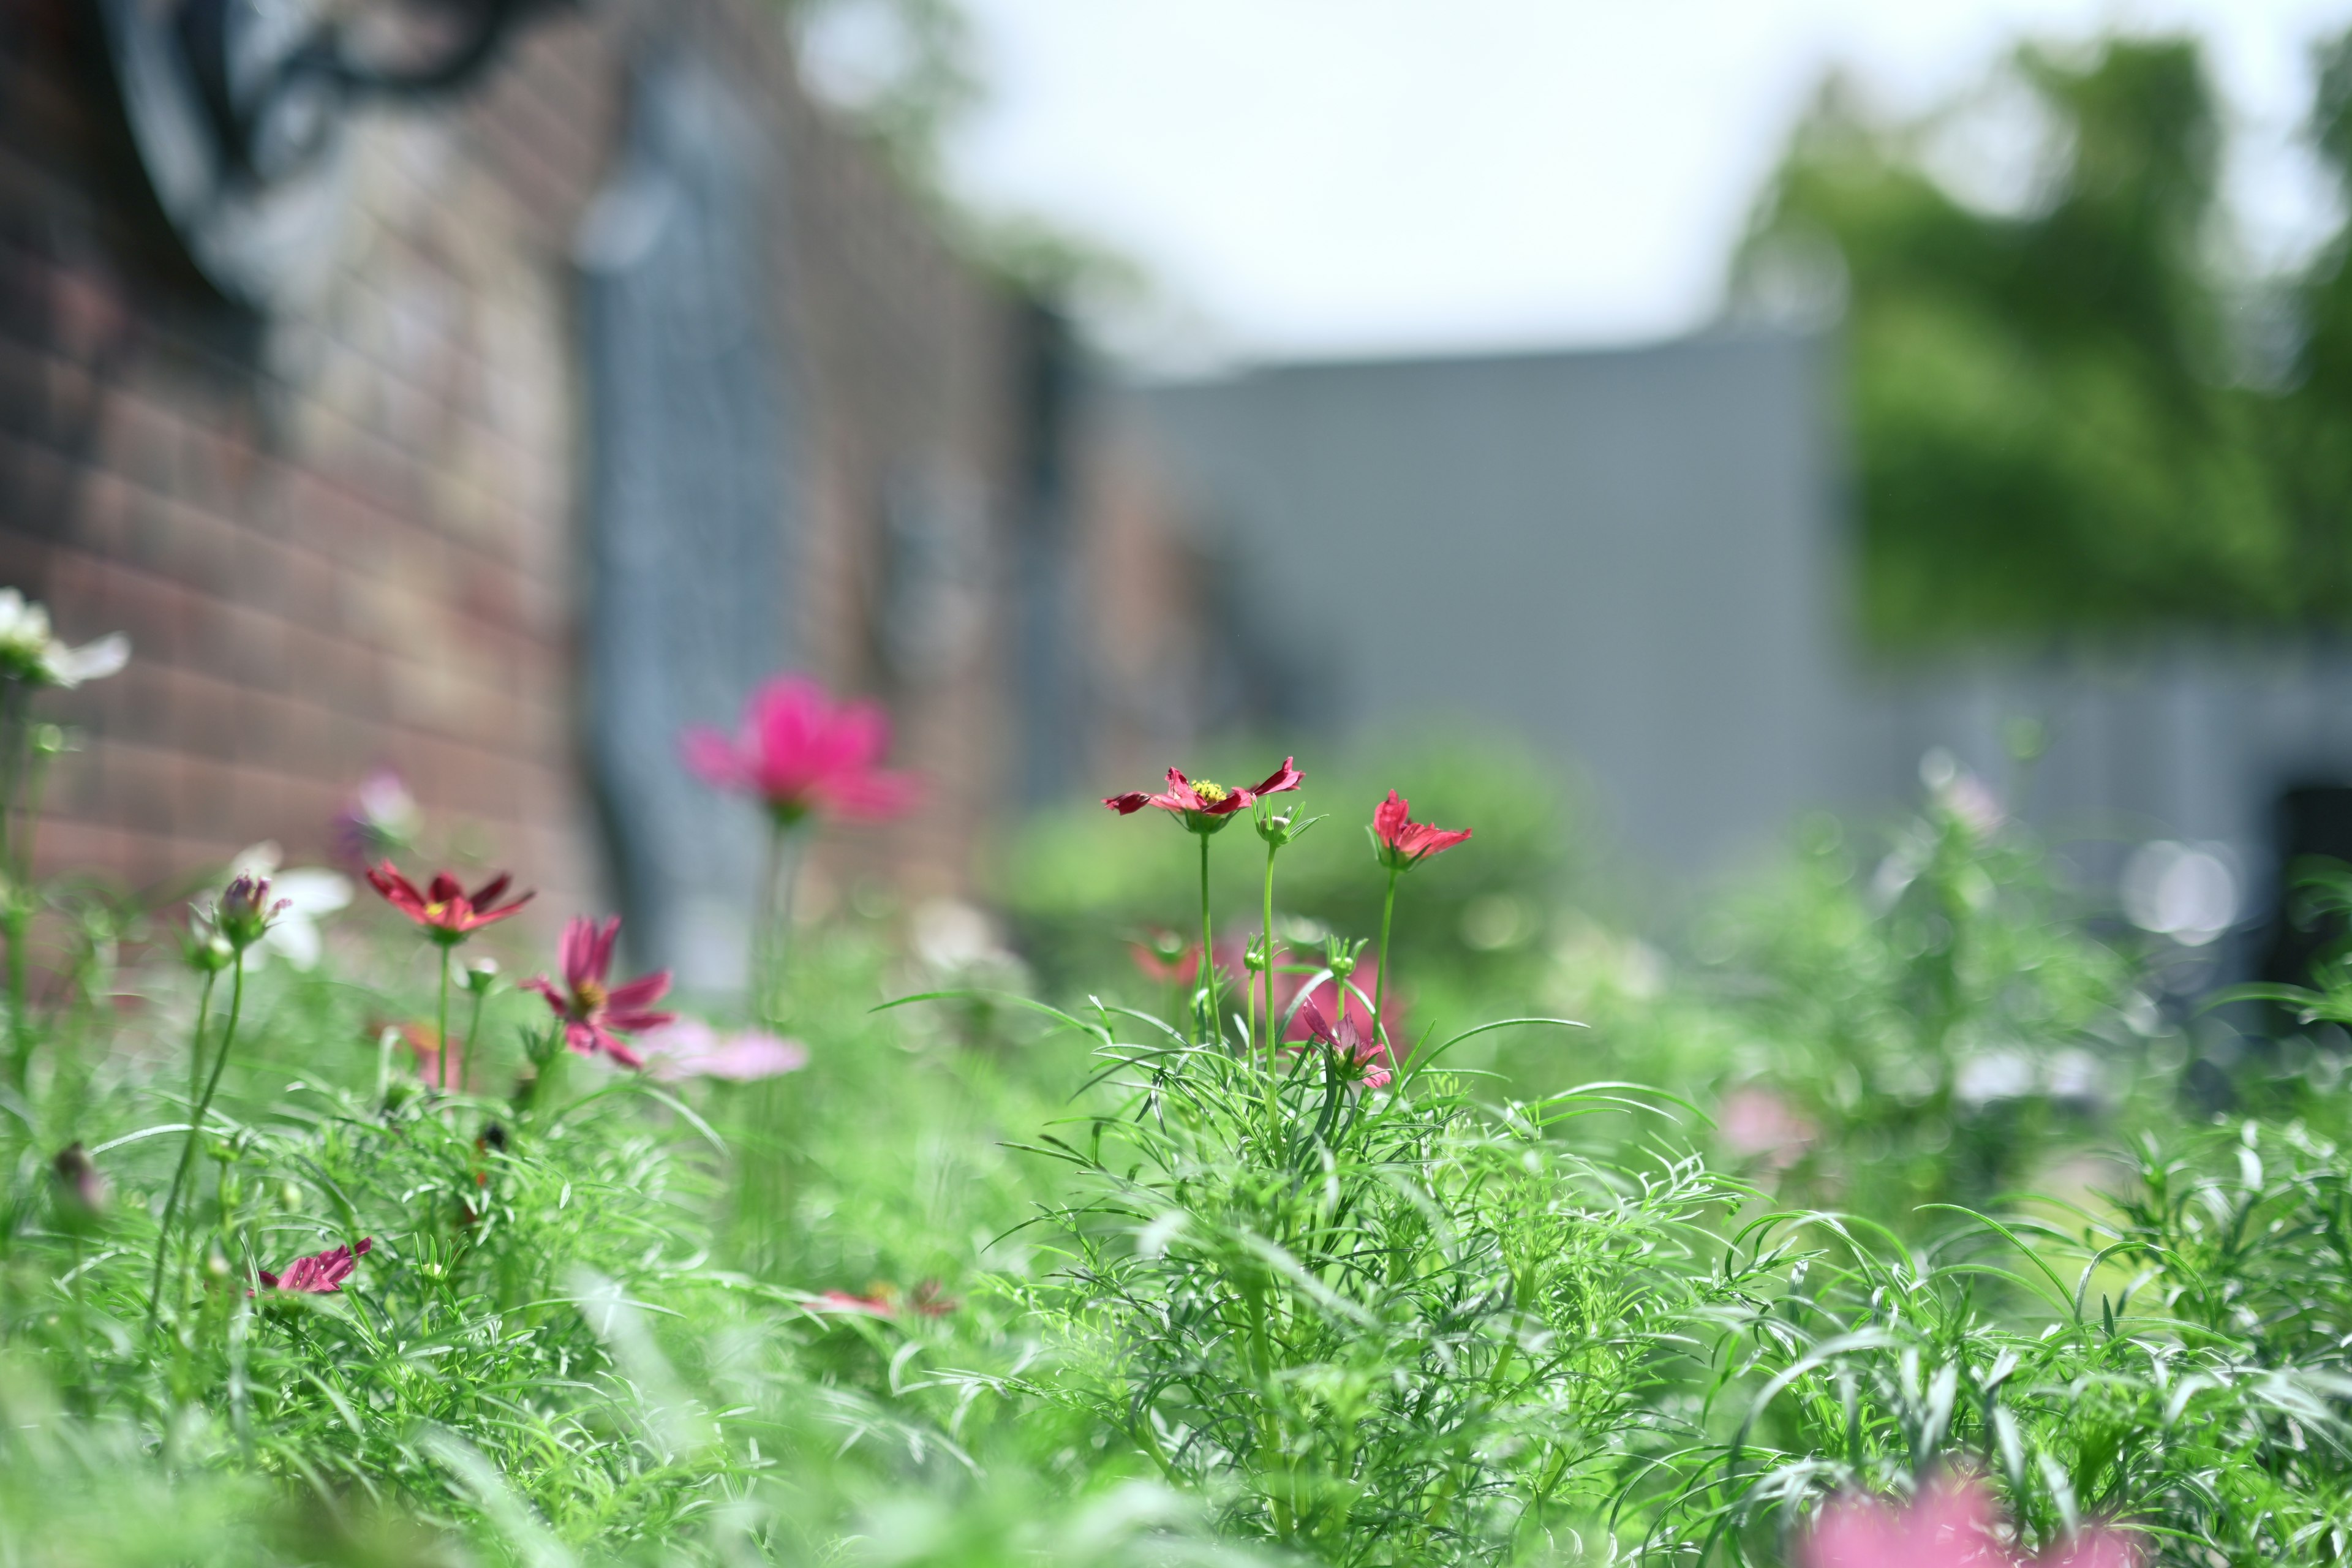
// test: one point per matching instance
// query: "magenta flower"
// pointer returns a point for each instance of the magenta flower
(1950, 1525)
(802, 754)
(1401, 843)
(1327, 1000)
(1204, 804)
(597, 1013)
(1359, 1048)
(321, 1273)
(447, 913)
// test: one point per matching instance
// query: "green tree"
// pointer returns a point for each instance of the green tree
(2054, 428)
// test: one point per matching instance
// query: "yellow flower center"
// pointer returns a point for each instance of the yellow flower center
(1210, 790)
(591, 994)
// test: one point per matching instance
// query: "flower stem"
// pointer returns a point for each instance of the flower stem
(1272, 1034)
(473, 1033)
(1268, 912)
(442, 1038)
(1380, 986)
(196, 1132)
(1208, 952)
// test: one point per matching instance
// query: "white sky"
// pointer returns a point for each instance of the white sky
(1361, 176)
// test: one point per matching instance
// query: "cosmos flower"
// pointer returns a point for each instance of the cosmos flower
(1952, 1523)
(692, 1048)
(32, 653)
(321, 1273)
(1360, 1049)
(596, 1013)
(1401, 843)
(447, 911)
(1203, 804)
(802, 755)
(884, 1301)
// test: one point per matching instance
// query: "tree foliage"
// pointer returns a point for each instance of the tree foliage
(2073, 416)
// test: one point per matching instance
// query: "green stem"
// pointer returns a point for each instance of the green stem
(1208, 952)
(473, 1033)
(1272, 1034)
(1380, 986)
(441, 1039)
(196, 1132)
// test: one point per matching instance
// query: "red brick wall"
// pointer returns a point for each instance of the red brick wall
(346, 540)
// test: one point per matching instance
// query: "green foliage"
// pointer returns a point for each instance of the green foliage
(2056, 429)
(1386, 1329)
(1899, 1019)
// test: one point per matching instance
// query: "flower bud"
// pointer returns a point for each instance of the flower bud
(205, 951)
(481, 975)
(246, 912)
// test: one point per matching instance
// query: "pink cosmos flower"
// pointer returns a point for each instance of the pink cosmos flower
(1355, 1011)
(597, 1013)
(1759, 1123)
(1952, 1523)
(1404, 844)
(801, 754)
(321, 1273)
(448, 913)
(692, 1048)
(1360, 1048)
(1204, 804)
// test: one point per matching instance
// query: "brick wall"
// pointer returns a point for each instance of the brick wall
(344, 539)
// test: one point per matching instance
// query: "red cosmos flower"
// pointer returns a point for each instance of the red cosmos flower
(448, 913)
(1403, 844)
(1205, 805)
(887, 1302)
(800, 754)
(1360, 1048)
(321, 1273)
(596, 1013)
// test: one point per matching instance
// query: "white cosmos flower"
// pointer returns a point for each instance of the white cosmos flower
(30, 651)
(310, 893)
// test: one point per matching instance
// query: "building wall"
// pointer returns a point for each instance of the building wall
(347, 536)
(1637, 559)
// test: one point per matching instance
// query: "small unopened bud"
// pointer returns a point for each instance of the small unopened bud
(51, 739)
(206, 950)
(481, 975)
(246, 912)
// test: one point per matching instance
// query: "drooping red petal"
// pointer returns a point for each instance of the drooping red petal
(556, 999)
(484, 897)
(1283, 779)
(397, 890)
(1130, 802)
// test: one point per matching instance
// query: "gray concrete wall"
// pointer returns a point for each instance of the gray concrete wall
(1635, 558)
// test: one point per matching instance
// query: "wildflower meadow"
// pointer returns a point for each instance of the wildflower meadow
(1335, 1169)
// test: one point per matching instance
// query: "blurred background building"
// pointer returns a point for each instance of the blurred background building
(499, 390)
(510, 427)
